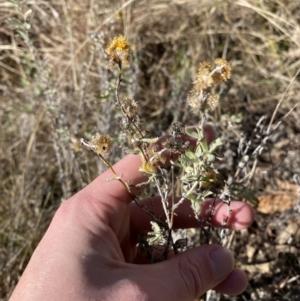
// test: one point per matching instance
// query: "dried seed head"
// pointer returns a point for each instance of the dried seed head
(177, 130)
(175, 146)
(193, 100)
(200, 100)
(101, 144)
(212, 102)
(129, 106)
(203, 77)
(119, 51)
(222, 71)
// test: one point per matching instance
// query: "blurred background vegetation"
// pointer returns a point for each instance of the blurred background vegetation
(56, 87)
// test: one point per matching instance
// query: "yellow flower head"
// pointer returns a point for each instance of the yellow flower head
(155, 159)
(119, 51)
(147, 167)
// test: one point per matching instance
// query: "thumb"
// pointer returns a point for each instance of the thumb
(190, 274)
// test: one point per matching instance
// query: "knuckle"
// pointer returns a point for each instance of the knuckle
(192, 274)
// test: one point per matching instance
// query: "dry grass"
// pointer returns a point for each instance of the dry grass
(56, 87)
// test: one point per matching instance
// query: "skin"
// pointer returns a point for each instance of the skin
(89, 250)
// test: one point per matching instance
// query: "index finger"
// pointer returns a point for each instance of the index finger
(241, 215)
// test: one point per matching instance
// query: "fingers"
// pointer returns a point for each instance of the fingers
(190, 274)
(209, 133)
(240, 217)
(234, 284)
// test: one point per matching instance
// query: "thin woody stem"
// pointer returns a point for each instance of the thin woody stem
(134, 198)
(195, 184)
(119, 79)
(114, 172)
(173, 197)
(163, 203)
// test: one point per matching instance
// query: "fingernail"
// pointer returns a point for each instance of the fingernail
(222, 262)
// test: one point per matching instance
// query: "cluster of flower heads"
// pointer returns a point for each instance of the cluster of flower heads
(119, 51)
(199, 99)
(153, 154)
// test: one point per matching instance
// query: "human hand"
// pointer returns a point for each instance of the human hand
(89, 250)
